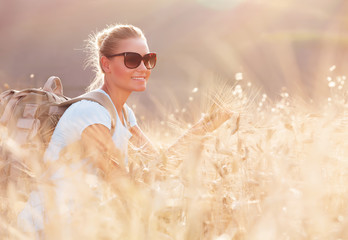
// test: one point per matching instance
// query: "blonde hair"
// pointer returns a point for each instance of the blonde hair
(104, 43)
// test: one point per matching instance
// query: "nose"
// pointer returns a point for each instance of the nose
(142, 66)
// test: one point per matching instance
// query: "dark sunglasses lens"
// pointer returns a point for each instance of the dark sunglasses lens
(150, 60)
(132, 60)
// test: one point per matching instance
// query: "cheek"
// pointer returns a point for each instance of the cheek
(122, 72)
(148, 73)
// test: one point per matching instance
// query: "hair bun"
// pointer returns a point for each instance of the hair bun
(101, 36)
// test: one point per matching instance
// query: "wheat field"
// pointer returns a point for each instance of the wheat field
(279, 172)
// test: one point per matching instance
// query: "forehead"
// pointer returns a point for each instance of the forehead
(138, 45)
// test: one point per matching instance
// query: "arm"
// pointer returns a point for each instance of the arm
(100, 148)
(207, 124)
(140, 140)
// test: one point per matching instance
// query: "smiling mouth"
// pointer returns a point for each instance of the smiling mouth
(139, 78)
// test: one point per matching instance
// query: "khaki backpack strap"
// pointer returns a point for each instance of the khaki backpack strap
(126, 116)
(100, 98)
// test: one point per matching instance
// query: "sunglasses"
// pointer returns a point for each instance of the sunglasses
(133, 60)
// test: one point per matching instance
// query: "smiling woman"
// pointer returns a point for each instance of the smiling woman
(86, 126)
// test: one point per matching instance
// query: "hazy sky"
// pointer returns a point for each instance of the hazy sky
(288, 43)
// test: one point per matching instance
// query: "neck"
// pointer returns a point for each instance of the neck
(117, 95)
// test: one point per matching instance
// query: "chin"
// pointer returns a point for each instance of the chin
(140, 89)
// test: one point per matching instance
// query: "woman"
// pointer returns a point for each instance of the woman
(122, 61)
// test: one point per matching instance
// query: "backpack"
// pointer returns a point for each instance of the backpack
(27, 121)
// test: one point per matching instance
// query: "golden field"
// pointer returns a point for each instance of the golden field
(279, 172)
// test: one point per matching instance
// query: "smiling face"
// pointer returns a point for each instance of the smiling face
(117, 75)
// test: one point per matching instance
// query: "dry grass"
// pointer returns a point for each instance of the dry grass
(282, 175)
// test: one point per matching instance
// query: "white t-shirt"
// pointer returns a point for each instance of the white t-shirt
(78, 117)
(75, 119)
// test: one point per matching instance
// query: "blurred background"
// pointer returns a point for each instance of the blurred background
(295, 44)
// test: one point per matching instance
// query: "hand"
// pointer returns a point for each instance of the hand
(214, 120)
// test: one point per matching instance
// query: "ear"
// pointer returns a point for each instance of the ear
(105, 64)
